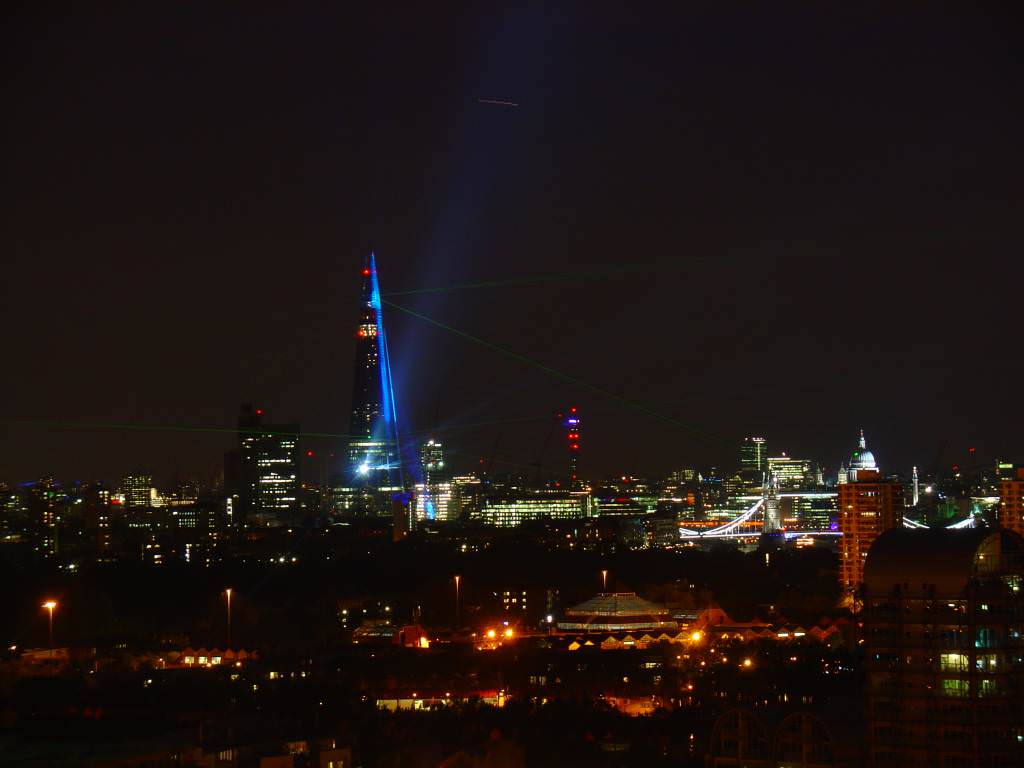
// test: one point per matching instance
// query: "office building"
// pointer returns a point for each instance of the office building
(512, 508)
(943, 622)
(432, 495)
(753, 456)
(790, 472)
(263, 473)
(433, 501)
(138, 491)
(1011, 501)
(373, 453)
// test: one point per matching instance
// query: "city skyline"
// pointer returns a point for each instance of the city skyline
(693, 218)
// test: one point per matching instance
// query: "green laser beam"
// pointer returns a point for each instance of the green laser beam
(160, 428)
(592, 275)
(558, 374)
(247, 430)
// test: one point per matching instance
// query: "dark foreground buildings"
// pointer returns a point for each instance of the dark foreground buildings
(944, 654)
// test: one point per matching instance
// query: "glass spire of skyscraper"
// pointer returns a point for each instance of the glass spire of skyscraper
(373, 454)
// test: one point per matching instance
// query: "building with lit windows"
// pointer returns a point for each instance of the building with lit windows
(510, 509)
(1011, 501)
(791, 473)
(513, 601)
(466, 497)
(811, 512)
(433, 501)
(753, 456)
(944, 648)
(373, 452)
(432, 495)
(138, 491)
(263, 474)
(867, 508)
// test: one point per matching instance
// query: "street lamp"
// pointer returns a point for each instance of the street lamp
(457, 580)
(228, 593)
(50, 605)
(604, 580)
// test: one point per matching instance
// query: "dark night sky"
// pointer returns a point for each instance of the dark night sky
(819, 208)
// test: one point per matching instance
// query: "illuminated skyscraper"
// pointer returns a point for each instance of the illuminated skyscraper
(432, 461)
(791, 472)
(137, 490)
(432, 495)
(373, 455)
(262, 475)
(753, 456)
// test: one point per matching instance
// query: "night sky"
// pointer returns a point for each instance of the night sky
(793, 221)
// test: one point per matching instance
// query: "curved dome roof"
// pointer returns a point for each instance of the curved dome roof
(946, 558)
(862, 458)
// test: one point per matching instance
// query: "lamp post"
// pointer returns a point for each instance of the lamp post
(49, 605)
(228, 593)
(457, 617)
(604, 580)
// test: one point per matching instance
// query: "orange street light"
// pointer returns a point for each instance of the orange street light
(228, 593)
(50, 605)
(457, 617)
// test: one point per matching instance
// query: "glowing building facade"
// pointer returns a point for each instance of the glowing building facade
(753, 456)
(511, 509)
(1011, 502)
(791, 473)
(869, 506)
(263, 474)
(137, 490)
(373, 453)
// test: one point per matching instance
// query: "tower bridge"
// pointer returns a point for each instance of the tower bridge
(750, 522)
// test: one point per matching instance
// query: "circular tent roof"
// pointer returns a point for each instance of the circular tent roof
(947, 559)
(615, 604)
(616, 612)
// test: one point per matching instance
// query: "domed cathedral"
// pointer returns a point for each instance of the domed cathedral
(862, 460)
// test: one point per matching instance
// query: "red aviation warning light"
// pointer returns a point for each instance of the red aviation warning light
(571, 422)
